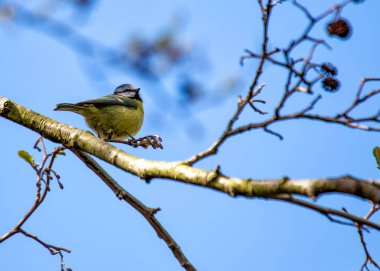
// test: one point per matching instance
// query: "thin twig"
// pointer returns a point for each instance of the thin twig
(213, 149)
(368, 258)
(52, 248)
(252, 92)
(329, 212)
(269, 131)
(375, 208)
(358, 98)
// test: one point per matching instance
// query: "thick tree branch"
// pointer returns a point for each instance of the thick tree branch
(179, 171)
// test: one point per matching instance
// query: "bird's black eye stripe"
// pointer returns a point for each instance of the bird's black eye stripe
(125, 88)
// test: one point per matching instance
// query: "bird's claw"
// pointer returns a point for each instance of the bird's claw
(145, 142)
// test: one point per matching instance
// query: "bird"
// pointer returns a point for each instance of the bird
(113, 117)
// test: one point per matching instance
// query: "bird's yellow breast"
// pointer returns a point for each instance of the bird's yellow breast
(116, 121)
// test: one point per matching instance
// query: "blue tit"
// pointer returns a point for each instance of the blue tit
(113, 117)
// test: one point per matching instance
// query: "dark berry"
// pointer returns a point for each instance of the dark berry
(340, 28)
(330, 84)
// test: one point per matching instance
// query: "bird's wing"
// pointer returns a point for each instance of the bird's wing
(111, 100)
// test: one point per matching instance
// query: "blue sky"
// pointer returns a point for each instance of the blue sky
(215, 231)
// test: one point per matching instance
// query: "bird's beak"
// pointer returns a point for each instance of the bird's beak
(137, 90)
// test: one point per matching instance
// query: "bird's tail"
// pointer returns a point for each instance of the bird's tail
(68, 107)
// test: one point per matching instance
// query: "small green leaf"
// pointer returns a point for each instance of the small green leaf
(376, 153)
(27, 157)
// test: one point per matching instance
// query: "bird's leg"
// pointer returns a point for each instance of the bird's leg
(109, 134)
(93, 133)
(130, 136)
(133, 141)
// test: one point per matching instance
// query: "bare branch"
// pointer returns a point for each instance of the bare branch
(52, 249)
(311, 105)
(358, 98)
(329, 212)
(303, 85)
(368, 259)
(181, 171)
(269, 131)
(375, 208)
(215, 146)
(252, 92)
(146, 212)
(39, 198)
(42, 171)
